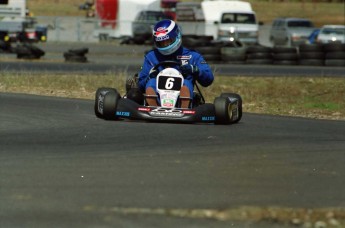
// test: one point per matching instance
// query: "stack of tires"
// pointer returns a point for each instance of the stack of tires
(205, 46)
(211, 52)
(258, 55)
(233, 53)
(5, 47)
(311, 55)
(194, 41)
(76, 55)
(334, 54)
(28, 51)
(285, 55)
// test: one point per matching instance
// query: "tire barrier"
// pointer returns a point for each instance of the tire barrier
(5, 47)
(331, 54)
(285, 56)
(334, 54)
(311, 55)
(259, 55)
(233, 53)
(76, 55)
(28, 51)
(205, 45)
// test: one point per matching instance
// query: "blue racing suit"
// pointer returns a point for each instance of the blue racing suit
(185, 56)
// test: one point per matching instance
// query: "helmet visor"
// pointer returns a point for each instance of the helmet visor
(165, 43)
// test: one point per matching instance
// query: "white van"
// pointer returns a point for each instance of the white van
(222, 19)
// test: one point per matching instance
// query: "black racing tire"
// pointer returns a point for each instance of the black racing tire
(239, 98)
(335, 55)
(192, 42)
(204, 38)
(222, 106)
(208, 50)
(310, 48)
(256, 49)
(232, 50)
(285, 56)
(76, 58)
(259, 55)
(27, 56)
(132, 82)
(106, 101)
(312, 55)
(35, 50)
(240, 57)
(334, 47)
(23, 50)
(279, 49)
(139, 40)
(79, 51)
(136, 95)
(212, 57)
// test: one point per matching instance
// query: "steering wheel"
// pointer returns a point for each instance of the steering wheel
(167, 63)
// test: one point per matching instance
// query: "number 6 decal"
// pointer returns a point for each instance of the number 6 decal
(169, 83)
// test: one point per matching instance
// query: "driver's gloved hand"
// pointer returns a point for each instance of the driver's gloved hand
(189, 69)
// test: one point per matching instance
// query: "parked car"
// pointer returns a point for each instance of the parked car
(142, 26)
(290, 31)
(331, 33)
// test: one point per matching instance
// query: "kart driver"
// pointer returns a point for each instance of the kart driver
(167, 39)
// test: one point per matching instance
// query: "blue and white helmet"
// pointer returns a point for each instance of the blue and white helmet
(167, 37)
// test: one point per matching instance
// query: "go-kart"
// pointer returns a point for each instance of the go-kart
(109, 105)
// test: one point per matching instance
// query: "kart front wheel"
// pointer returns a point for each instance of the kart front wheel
(228, 109)
(222, 105)
(232, 97)
(106, 101)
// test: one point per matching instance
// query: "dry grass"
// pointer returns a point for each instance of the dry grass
(290, 96)
(321, 13)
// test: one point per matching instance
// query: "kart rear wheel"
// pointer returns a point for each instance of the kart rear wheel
(233, 96)
(106, 101)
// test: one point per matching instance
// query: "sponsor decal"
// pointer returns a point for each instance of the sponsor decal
(184, 57)
(144, 109)
(190, 112)
(161, 38)
(161, 31)
(127, 114)
(166, 112)
(208, 118)
(184, 61)
(168, 103)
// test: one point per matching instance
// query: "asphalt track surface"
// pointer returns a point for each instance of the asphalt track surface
(60, 166)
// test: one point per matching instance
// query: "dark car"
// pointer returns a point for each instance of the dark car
(142, 26)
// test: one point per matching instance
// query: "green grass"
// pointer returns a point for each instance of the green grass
(292, 96)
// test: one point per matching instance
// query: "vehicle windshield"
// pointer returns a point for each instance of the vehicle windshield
(338, 31)
(238, 18)
(302, 24)
(153, 16)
